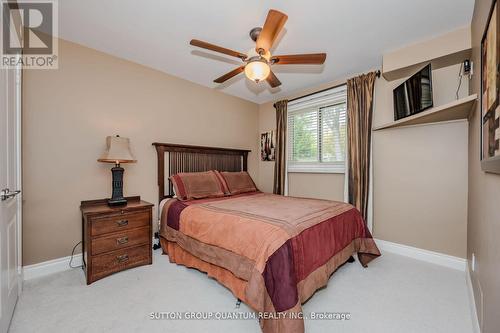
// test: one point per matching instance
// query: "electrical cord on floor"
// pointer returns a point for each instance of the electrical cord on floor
(73, 254)
(156, 246)
(459, 79)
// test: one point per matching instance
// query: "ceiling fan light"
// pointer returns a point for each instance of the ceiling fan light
(257, 70)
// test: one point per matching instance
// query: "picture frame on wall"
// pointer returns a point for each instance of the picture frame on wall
(267, 146)
(490, 87)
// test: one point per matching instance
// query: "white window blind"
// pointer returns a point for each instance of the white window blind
(317, 130)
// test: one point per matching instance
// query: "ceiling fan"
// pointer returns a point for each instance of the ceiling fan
(258, 61)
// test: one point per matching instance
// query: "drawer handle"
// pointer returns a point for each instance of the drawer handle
(122, 223)
(122, 258)
(122, 240)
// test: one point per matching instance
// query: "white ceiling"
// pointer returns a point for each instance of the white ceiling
(353, 33)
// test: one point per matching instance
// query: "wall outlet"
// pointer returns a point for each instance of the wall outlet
(473, 262)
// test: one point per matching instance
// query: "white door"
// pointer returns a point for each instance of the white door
(10, 199)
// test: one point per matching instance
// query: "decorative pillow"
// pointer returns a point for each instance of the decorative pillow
(197, 185)
(238, 182)
(223, 182)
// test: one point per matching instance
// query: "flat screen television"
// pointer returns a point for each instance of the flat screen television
(414, 95)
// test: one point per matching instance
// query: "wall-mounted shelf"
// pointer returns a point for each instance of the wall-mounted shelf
(491, 164)
(442, 51)
(438, 62)
(459, 109)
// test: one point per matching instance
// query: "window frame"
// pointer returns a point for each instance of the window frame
(330, 97)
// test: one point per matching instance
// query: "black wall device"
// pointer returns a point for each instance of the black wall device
(467, 67)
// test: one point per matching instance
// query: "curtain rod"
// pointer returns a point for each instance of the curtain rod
(377, 74)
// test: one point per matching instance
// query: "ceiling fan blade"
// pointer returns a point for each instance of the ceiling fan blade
(273, 80)
(274, 23)
(220, 49)
(299, 59)
(229, 75)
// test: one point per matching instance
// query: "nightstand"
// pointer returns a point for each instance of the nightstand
(115, 238)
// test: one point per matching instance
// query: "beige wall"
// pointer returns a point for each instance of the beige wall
(329, 186)
(420, 187)
(484, 198)
(419, 175)
(67, 114)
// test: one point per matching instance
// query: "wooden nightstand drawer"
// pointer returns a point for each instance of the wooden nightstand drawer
(115, 237)
(115, 261)
(120, 240)
(118, 222)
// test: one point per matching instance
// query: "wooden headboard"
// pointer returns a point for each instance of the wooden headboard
(185, 158)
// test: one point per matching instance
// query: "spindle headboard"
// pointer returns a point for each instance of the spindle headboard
(186, 158)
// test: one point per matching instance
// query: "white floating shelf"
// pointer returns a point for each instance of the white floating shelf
(491, 164)
(436, 63)
(459, 109)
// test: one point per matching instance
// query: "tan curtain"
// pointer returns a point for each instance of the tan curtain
(359, 115)
(280, 150)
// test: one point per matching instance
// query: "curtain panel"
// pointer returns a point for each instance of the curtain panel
(280, 164)
(359, 117)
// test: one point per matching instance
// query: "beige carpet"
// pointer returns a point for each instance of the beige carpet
(394, 294)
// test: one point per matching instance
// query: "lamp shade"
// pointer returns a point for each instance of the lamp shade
(117, 151)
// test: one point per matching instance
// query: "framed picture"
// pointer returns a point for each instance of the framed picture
(490, 84)
(267, 146)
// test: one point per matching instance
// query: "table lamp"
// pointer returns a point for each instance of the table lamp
(117, 151)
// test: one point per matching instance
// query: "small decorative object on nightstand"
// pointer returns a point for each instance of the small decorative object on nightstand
(115, 238)
(117, 151)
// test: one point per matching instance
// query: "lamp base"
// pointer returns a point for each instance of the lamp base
(117, 202)
(117, 198)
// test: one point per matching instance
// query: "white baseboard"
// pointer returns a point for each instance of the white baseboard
(50, 267)
(472, 302)
(421, 254)
(62, 264)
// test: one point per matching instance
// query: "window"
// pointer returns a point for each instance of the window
(317, 130)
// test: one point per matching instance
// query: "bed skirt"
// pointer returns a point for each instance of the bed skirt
(306, 288)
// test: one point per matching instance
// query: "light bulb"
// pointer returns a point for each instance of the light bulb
(257, 70)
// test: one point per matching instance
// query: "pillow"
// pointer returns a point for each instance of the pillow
(197, 185)
(238, 182)
(223, 182)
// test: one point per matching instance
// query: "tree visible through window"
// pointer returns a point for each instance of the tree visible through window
(333, 133)
(305, 142)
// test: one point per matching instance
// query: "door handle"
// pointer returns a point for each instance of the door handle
(6, 194)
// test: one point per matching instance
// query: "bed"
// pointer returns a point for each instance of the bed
(273, 252)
